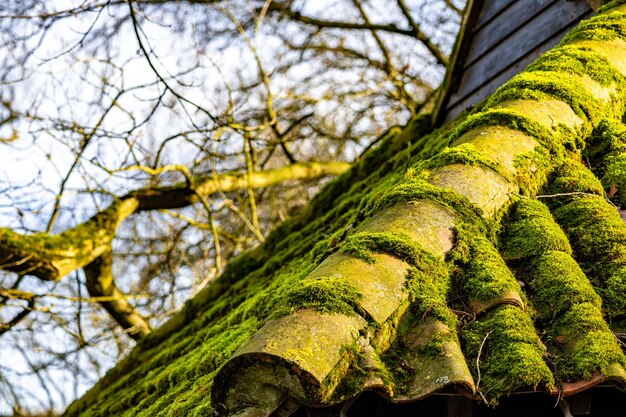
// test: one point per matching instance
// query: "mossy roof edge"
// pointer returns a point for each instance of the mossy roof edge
(389, 143)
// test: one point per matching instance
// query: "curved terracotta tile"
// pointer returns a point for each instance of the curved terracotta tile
(294, 355)
(382, 284)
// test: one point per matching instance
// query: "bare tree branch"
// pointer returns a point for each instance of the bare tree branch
(50, 257)
(100, 283)
(414, 31)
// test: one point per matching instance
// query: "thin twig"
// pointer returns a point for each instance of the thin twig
(566, 195)
(254, 213)
(480, 351)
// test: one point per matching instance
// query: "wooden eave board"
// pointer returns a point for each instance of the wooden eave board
(498, 39)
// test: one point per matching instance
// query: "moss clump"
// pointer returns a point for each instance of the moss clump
(614, 179)
(465, 154)
(605, 27)
(556, 284)
(568, 307)
(397, 147)
(508, 352)
(435, 347)
(429, 145)
(606, 152)
(428, 282)
(531, 231)
(569, 312)
(428, 291)
(363, 244)
(578, 60)
(593, 346)
(552, 139)
(596, 230)
(354, 380)
(370, 161)
(598, 237)
(482, 274)
(324, 294)
(542, 85)
(414, 189)
(609, 5)
(572, 177)
(609, 137)
(532, 171)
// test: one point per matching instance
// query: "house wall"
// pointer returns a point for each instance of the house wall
(506, 36)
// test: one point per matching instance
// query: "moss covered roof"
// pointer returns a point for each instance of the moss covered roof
(481, 258)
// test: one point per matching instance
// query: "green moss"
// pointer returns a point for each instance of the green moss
(324, 294)
(465, 154)
(595, 228)
(396, 148)
(532, 169)
(483, 275)
(426, 352)
(605, 27)
(531, 231)
(609, 137)
(557, 284)
(606, 153)
(414, 189)
(326, 200)
(371, 160)
(542, 85)
(363, 244)
(429, 289)
(578, 60)
(615, 178)
(609, 5)
(598, 236)
(508, 352)
(552, 139)
(582, 318)
(352, 383)
(435, 347)
(429, 145)
(571, 177)
(593, 346)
